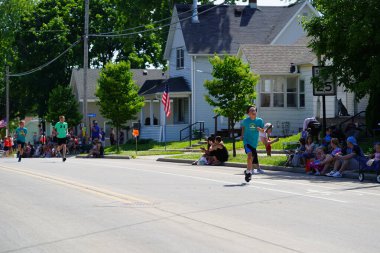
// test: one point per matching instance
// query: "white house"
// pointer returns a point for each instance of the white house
(268, 38)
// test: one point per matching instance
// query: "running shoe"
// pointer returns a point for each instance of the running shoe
(248, 176)
(260, 171)
(63, 159)
(19, 158)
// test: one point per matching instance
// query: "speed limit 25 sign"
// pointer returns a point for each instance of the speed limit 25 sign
(328, 89)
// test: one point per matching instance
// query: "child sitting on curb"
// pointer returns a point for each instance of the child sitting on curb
(316, 166)
(203, 160)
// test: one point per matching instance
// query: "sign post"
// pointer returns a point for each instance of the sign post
(327, 89)
(136, 133)
(90, 115)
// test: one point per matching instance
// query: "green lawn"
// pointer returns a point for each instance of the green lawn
(150, 144)
(150, 147)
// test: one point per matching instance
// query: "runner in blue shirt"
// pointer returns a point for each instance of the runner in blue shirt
(250, 128)
(21, 132)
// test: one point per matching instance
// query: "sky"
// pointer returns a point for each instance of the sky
(262, 2)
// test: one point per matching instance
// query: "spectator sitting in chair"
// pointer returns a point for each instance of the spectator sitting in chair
(349, 159)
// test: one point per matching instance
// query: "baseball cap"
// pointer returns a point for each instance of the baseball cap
(352, 140)
(267, 126)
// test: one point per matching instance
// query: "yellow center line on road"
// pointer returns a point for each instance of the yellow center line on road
(124, 198)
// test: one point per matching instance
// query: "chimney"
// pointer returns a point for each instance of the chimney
(253, 4)
(194, 18)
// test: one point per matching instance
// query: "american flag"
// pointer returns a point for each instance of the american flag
(3, 123)
(166, 100)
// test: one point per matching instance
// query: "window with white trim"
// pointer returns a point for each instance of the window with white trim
(301, 93)
(180, 56)
(291, 92)
(282, 91)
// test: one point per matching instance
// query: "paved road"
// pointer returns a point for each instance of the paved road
(140, 205)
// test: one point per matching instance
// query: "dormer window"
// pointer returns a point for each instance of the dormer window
(180, 58)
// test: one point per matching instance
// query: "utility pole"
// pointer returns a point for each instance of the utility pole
(7, 98)
(85, 62)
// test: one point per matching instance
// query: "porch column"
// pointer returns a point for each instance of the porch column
(142, 116)
(190, 111)
(151, 112)
(162, 113)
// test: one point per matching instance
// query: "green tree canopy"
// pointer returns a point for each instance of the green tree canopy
(11, 12)
(62, 102)
(118, 94)
(347, 37)
(232, 89)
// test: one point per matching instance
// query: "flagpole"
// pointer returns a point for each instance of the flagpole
(165, 131)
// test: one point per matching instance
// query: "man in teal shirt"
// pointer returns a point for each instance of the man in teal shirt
(62, 129)
(250, 128)
(21, 132)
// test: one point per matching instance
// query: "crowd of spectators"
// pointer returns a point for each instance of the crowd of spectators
(43, 146)
(331, 157)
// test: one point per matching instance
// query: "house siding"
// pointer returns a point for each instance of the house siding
(178, 41)
(203, 111)
(294, 30)
(362, 104)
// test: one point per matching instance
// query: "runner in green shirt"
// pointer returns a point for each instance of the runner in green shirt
(21, 132)
(62, 129)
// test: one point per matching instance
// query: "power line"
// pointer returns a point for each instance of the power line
(113, 35)
(154, 22)
(47, 63)
(153, 29)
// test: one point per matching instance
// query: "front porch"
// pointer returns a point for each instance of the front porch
(153, 121)
(157, 132)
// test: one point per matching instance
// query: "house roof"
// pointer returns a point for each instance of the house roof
(139, 76)
(276, 59)
(223, 28)
(176, 84)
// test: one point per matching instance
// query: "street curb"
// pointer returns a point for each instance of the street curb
(260, 151)
(106, 157)
(351, 175)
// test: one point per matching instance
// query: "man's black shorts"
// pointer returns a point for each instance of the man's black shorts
(21, 143)
(61, 141)
(249, 149)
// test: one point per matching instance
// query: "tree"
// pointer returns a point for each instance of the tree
(62, 102)
(231, 90)
(118, 95)
(11, 12)
(347, 35)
